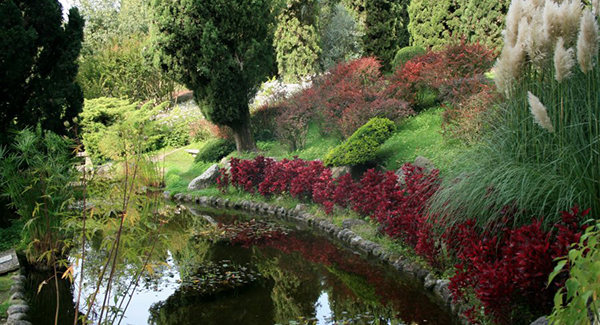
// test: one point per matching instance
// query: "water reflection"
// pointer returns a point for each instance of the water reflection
(295, 278)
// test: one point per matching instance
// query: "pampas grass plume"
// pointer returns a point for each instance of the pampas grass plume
(563, 60)
(513, 17)
(587, 42)
(539, 112)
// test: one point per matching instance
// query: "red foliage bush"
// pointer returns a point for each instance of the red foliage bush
(501, 266)
(291, 124)
(512, 265)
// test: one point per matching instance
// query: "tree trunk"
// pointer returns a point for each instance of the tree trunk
(244, 140)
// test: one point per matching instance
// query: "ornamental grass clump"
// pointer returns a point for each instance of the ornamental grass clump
(542, 152)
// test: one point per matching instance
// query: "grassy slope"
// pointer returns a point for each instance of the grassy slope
(5, 283)
(418, 135)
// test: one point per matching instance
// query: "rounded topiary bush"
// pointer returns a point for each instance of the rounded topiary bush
(361, 147)
(214, 150)
(406, 54)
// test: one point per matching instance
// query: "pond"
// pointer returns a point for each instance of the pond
(213, 267)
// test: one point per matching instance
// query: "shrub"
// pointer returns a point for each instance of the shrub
(362, 146)
(572, 303)
(547, 123)
(104, 119)
(405, 54)
(120, 69)
(341, 38)
(511, 266)
(386, 30)
(214, 150)
(263, 121)
(352, 93)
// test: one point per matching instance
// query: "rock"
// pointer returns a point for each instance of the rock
(340, 171)
(9, 262)
(167, 195)
(226, 163)
(349, 223)
(17, 296)
(18, 316)
(441, 288)
(300, 207)
(18, 309)
(17, 322)
(430, 281)
(540, 321)
(424, 163)
(208, 178)
(193, 152)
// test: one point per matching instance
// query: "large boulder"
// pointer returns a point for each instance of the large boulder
(340, 171)
(424, 163)
(208, 178)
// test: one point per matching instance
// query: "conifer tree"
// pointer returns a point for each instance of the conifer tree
(483, 21)
(220, 49)
(297, 40)
(433, 23)
(38, 65)
(386, 29)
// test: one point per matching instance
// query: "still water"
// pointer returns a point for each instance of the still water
(239, 269)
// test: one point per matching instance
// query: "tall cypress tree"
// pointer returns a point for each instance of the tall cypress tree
(386, 29)
(220, 49)
(483, 21)
(433, 23)
(38, 65)
(297, 40)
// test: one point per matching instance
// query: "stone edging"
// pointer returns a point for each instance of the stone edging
(430, 282)
(17, 311)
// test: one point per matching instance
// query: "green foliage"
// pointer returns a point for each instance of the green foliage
(121, 69)
(103, 121)
(340, 38)
(11, 236)
(297, 40)
(220, 49)
(405, 54)
(420, 135)
(483, 21)
(361, 147)
(37, 175)
(436, 23)
(38, 61)
(433, 23)
(214, 150)
(577, 302)
(539, 160)
(386, 29)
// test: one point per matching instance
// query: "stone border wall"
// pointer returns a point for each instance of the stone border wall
(17, 311)
(430, 282)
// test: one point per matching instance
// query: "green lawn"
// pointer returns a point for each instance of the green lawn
(420, 135)
(5, 283)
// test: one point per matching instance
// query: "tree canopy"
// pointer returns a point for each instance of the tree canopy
(220, 49)
(38, 65)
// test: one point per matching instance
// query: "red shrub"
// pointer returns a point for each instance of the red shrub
(513, 265)
(291, 124)
(248, 174)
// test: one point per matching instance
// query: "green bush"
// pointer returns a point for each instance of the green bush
(214, 150)
(577, 302)
(102, 118)
(361, 147)
(407, 53)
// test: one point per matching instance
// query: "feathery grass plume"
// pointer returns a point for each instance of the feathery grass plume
(509, 66)
(540, 114)
(563, 60)
(587, 42)
(552, 19)
(571, 16)
(538, 45)
(595, 7)
(513, 17)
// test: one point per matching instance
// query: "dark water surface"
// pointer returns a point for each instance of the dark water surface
(281, 275)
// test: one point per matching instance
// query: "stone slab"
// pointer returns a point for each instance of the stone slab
(8, 261)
